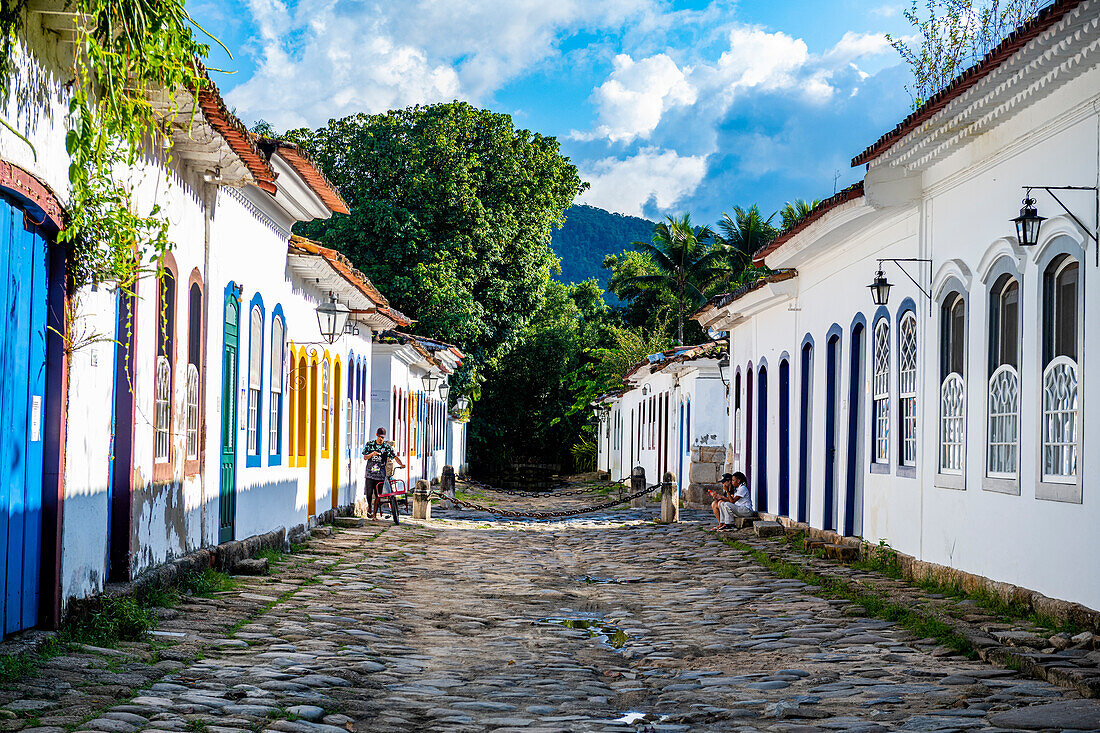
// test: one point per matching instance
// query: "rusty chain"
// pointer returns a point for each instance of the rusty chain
(461, 504)
(588, 489)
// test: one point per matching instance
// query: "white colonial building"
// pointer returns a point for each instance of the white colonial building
(953, 420)
(201, 406)
(665, 420)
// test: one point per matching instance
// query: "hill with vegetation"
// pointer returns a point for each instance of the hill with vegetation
(589, 235)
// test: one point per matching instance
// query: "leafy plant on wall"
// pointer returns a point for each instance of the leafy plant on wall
(127, 53)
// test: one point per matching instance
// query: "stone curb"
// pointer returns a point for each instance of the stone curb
(1084, 680)
(915, 570)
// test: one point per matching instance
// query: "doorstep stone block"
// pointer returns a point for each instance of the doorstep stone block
(321, 531)
(348, 522)
(844, 553)
(815, 545)
(251, 566)
(764, 528)
(744, 522)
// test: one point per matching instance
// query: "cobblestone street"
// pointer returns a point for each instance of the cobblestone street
(461, 625)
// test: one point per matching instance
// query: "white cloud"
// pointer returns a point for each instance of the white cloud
(636, 95)
(652, 175)
(318, 59)
(761, 60)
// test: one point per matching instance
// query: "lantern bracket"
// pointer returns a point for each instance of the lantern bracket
(899, 260)
(1095, 236)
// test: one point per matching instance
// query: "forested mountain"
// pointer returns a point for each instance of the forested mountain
(589, 235)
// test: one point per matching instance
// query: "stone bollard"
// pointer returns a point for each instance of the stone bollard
(422, 503)
(637, 483)
(670, 499)
(447, 488)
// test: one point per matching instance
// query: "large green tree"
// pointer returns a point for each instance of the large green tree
(528, 389)
(452, 208)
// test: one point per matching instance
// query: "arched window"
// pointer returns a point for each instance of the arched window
(194, 359)
(324, 404)
(1060, 370)
(166, 354)
(301, 379)
(881, 392)
(737, 429)
(907, 388)
(364, 393)
(952, 383)
(255, 379)
(275, 385)
(352, 405)
(1003, 435)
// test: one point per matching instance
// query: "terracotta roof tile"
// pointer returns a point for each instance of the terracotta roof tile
(721, 301)
(1046, 17)
(851, 193)
(343, 265)
(307, 169)
(236, 135)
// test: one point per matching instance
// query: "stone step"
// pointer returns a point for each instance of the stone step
(815, 545)
(764, 528)
(844, 553)
(744, 522)
(348, 522)
(321, 531)
(251, 566)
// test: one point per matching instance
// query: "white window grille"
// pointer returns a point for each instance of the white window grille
(881, 392)
(907, 389)
(952, 423)
(192, 412)
(1004, 423)
(1060, 408)
(275, 385)
(163, 410)
(324, 405)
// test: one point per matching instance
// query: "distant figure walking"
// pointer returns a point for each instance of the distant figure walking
(377, 453)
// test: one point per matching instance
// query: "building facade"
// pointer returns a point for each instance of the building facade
(953, 420)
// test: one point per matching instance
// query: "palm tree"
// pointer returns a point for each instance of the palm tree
(747, 230)
(795, 211)
(686, 261)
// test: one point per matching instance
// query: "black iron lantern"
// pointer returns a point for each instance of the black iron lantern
(429, 381)
(331, 318)
(880, 288)
(724, 369)
(1027, 224)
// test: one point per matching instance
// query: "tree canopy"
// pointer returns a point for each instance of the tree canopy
(452, 210)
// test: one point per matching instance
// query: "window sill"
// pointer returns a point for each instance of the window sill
(906, 472)
(881, 468)
(1009, 486)
(275, 460)
(1069, 493)
(252, 461)
(956, 482)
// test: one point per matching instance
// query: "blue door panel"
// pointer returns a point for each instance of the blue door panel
(23, 295)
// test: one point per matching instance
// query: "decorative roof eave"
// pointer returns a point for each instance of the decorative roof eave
(1021, 68)
(304, 166)
(655, 363)
(851, 193)
(299, 245)
(718, 309)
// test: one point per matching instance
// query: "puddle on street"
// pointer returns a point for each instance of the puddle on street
(597, 629)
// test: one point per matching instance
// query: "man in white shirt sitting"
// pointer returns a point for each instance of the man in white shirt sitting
(737, 503)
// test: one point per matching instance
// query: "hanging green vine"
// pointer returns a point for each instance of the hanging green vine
(129, 56)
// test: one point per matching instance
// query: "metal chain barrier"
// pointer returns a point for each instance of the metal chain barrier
(588, 489)
(547, 515)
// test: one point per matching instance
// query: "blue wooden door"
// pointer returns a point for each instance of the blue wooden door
(23, 293)
(832, 357)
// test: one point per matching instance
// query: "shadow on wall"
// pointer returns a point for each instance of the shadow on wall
(265, 505)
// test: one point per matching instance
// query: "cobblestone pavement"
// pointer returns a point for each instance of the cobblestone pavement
(603, 623)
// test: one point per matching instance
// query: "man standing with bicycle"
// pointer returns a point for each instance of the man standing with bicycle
(377, 454)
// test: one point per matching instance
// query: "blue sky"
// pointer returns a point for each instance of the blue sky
(665, 106)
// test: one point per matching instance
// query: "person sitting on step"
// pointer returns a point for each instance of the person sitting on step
(720, 495)
(737, 503)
